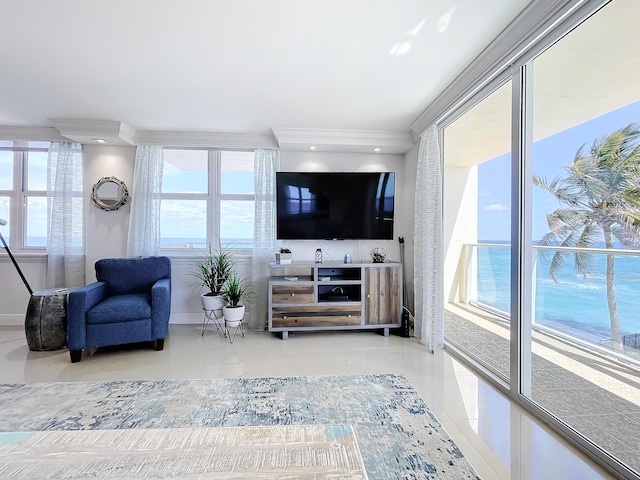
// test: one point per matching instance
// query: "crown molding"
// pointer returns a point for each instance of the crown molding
(204, 139)
(88, 131)
(350, 141)
(41, 134)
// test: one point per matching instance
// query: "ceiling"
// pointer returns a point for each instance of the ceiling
(243, 66)
(591, 71)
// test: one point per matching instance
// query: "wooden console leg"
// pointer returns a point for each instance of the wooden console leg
(76, 355)
(159, 344)
(386, 332)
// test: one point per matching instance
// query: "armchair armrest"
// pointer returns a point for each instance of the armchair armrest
(81, 300)
(160, 307)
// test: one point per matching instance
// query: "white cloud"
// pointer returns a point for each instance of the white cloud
(496, 207)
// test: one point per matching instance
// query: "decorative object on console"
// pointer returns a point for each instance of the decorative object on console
(109, 193)
(284, 257)
(347, 258)
(318, 256)
(378, 255)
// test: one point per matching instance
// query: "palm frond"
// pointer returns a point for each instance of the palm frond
(601, 190)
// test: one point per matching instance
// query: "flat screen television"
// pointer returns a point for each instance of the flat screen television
(335, 206)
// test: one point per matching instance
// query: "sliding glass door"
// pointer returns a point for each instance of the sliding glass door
(542, 231)
(477, 229)
(584, 333)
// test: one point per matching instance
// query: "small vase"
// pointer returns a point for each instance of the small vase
(233, 315)
(378, 255)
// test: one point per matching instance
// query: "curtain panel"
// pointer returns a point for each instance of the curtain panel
(66, 249)
(266, 164)
(428, 243)
(144, 223)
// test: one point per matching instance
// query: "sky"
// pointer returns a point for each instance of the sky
(549, 155)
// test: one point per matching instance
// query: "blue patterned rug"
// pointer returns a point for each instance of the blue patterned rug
(397, 434)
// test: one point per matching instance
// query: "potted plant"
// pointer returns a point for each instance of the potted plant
(212, 270)
(236, 292)
(285, 257)
(378, 255)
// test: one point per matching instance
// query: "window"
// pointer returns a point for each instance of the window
(207, 194)
(23, 193)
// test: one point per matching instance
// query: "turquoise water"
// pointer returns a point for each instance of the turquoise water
(574, 304)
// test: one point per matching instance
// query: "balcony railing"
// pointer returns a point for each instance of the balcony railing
(571, 307)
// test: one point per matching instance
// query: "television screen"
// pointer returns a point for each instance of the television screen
(345, 206)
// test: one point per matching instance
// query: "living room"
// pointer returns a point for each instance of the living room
(345, 125)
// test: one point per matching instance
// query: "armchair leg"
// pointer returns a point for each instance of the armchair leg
(76, 355)
(159, 344)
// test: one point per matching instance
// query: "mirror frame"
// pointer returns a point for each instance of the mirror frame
(114, 204)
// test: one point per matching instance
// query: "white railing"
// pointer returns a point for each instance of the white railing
(572, 308)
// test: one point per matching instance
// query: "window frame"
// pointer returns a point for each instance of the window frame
(19, 196)
(213, 198)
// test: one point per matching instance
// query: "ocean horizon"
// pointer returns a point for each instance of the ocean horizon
(573, 303)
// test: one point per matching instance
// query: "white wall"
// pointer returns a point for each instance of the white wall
(106, 231)
(14, 296)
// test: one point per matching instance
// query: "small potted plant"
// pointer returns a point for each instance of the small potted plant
(285, 257)
(236, 292)
(212, 270)
(378, 255)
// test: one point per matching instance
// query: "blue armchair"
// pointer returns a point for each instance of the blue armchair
(130, 302)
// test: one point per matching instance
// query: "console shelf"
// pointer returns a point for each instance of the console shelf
(334, 296)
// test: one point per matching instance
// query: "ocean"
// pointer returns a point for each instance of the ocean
(575, 304)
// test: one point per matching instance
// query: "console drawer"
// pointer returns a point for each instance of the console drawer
(301, 293)
(325, 316)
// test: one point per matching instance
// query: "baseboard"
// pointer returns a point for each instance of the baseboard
(176, 318)
(185, 318)
(8, 319)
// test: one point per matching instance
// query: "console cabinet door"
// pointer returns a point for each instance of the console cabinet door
(382, 295)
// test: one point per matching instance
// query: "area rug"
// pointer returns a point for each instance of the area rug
(397, 435)
(262, 453)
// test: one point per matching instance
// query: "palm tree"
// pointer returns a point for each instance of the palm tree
(601, 193)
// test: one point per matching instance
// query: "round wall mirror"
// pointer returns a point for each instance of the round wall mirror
(109, 193)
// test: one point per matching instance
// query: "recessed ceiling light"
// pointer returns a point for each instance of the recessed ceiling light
(377, 149)
(100, 140)
(312, 147)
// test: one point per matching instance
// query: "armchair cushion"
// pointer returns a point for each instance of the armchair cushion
(121, 308)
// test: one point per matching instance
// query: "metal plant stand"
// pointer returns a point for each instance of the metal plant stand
(215, 317)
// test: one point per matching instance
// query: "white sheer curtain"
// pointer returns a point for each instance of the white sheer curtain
(144, 223)
(65, 216)
(266, 164)
(428, 243)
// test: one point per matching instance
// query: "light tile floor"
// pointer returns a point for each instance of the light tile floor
(597, 396)
(499, 439)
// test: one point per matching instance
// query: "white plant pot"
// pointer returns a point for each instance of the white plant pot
(284, 258)
(213, 303)
(233, 315)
